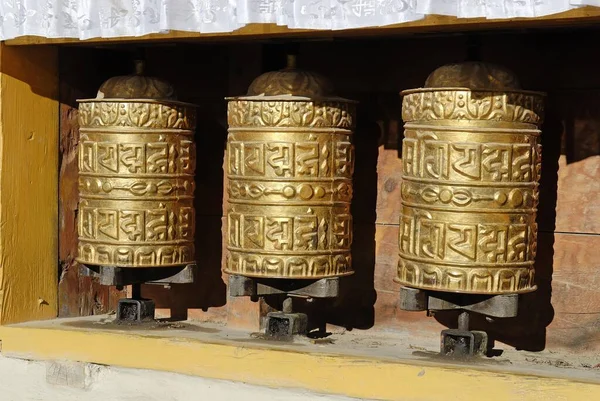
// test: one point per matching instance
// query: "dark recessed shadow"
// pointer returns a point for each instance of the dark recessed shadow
(209, 289)
(582, 124)
(493, 353)
(205, 85)
(355, 307)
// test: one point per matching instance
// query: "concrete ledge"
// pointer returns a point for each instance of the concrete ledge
(278, 366)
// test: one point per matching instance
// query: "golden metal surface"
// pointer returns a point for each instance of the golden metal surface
(473, 75)
(471, 166)
(289, 168)
(136, 182)
(291, 81)
(136, 86)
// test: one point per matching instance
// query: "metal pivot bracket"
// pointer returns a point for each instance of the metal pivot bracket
(499, 306)
(242, 286)
(285, 324)
(135, 309)
(119, 276)
(460, 342)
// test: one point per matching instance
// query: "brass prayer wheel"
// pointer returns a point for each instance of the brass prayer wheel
(136, 175)
(471, 165)
(289, 166)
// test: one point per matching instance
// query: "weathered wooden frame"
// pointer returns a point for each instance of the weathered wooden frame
(29, 117)
(29, 131)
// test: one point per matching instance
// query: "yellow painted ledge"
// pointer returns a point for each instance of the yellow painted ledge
(344, 375)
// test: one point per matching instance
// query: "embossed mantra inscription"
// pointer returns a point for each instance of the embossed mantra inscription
(471, 165)
(136, 183)
(289, 169)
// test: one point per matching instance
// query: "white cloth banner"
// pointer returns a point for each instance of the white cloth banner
(86, 19)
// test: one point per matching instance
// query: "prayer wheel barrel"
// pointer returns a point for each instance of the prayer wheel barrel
(136, 175)
(471, 159)
(289, 168)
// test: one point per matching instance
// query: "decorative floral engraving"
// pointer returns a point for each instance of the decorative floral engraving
(259, 113)
(472, 105)
(94, 114)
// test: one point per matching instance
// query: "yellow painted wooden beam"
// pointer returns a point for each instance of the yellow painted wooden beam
(345, 375)
(28, 183)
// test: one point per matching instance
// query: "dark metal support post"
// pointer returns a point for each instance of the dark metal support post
(460, 341)
(135, 309)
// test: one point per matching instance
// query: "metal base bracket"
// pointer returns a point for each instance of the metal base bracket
(284, 326)
(463, 343)
(460, 342)
(242, 286)
(135, 310)
(500, 306)
(120, 276)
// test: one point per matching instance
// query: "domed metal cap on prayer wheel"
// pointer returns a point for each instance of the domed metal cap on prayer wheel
(471, 164)
(291, 81)
(136, 86)
(473, 75)
(289, 168)
(137, 162)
